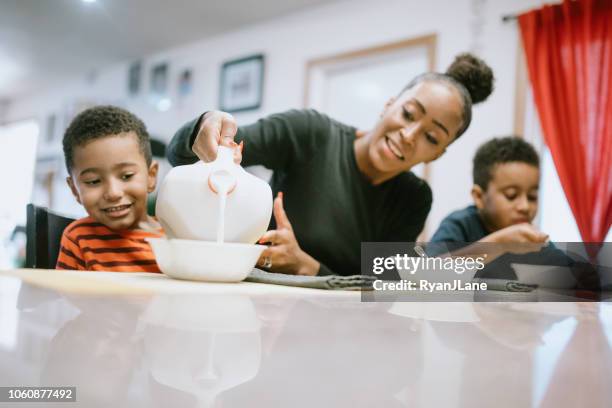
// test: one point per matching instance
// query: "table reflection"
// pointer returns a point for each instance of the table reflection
(200, 346)
(302, 348)
(337, 353)
(97, 351)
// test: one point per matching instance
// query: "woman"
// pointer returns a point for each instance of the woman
(334, 189)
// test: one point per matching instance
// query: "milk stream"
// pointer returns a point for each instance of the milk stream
(221, 221)
(223, 182)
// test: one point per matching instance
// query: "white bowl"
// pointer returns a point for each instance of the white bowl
(205, 261)
(545, 276)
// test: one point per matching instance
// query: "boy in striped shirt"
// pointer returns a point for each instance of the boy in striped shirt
(111, 171)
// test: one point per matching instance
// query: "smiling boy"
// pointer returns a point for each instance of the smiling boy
(111, 171)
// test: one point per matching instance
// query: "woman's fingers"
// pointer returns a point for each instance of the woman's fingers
(274, 257)
(276, 237)
(228, 129)
(205, 144)
(281, 255)
(264, 261)
(267, 237)
(271, 256)
(238, 152)
(217, 128)
(282, 221)
(284, 232)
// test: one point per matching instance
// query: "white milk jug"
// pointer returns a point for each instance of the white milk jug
(216, 201)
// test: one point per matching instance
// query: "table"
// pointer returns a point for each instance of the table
(145, 340)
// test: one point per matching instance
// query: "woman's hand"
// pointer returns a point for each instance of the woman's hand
(216, 129)
(284, 255)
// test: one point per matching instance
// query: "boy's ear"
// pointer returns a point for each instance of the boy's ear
(74, 190)
(152, 179)
(478, 196)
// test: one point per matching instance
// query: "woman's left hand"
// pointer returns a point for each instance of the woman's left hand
(284, 255)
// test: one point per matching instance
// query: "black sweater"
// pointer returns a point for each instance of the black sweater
(330, 204)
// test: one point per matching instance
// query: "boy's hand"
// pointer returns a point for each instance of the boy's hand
(217, 128)
(519, 238)
(285, 255)
(519, 233)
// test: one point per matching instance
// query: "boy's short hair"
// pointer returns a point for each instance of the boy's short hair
(103, 121)
(501, 150)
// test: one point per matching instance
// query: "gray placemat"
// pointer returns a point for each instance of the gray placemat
(505, 296)
(506, 285)
(332, 282)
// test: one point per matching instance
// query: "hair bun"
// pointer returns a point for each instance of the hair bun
(473, 73)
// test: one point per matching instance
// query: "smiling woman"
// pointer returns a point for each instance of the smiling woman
(416, 127)
(340, 189)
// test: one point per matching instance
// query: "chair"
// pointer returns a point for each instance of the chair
(44, 230)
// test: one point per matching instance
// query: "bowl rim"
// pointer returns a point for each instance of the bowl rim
(206, 243)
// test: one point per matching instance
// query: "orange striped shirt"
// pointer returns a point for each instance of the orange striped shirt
(89, 245)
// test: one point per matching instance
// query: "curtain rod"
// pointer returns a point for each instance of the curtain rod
(513, 17)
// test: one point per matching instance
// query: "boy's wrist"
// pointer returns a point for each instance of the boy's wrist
(493, 238)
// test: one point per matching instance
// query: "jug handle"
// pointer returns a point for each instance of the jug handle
(211, 184)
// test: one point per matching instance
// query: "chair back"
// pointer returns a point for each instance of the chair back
(44, 230)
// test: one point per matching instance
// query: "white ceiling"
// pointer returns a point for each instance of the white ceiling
(44, 41)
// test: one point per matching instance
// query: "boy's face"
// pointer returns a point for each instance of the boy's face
(110, 178)
(511, 196)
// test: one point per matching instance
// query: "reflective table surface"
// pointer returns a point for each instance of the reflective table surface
(143, 340)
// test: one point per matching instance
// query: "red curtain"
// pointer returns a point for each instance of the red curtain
(568, 48)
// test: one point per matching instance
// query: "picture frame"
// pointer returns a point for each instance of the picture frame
(134, 78)
(241, 87)
(159, 80)
(185, 83)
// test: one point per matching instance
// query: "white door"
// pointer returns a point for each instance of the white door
(354, 88)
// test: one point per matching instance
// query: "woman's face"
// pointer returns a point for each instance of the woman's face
(415, 127)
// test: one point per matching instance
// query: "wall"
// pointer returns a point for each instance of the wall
(290, 42)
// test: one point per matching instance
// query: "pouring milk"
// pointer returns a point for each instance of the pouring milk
(221, 182)
(217, 201)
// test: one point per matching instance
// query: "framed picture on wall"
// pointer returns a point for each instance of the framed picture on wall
(159, 80)
(134, 78)
(185, 83)
(242, 84)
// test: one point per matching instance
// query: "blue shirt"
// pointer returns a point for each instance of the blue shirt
(464, 227)
(461, 226)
